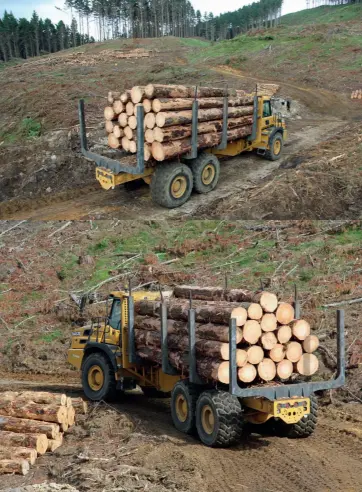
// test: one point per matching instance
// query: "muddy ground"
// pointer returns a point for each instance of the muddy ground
(132, 446)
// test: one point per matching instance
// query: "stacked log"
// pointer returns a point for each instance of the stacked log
(271, 344)
(357, 94)
(31, 424)
(168, 117)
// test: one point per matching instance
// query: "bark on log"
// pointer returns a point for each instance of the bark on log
(267, 369)
(208, 331)
(294, 351)
(15, 424)
(284, 334)
(310, 344)
(251, 331)
(28, 454)
(167, 150)
(277, 353)
(285, 313)
(255, 311)
(307, 365)
(218, 312)
(179, 132)
(255, 354)
(118, 107)
(153, 91)
(301, 329)
(268, 322)
(205, 348)
(268, 340)
(80, 406)
(240, 314)
(284, 369)
(54, 444)
(247, 374)
(177, 104)
(42, 397)
(123, 119)
(164, 119)
(39, 442)
(267, 300)
(18, 466)
(46, 413)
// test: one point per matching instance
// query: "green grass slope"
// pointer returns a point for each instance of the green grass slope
(324, 15)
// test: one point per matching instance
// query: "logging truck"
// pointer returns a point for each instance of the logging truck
(116, 354)
(174, 143)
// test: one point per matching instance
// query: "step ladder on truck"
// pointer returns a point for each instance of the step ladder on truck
(106, 355)
(173, 181)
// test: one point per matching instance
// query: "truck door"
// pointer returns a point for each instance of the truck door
(267, 115)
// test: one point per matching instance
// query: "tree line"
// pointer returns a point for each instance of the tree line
(21, 38)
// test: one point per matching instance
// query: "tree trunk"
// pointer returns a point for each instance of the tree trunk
(164, 119)
(39, 442)
(178, 132)
(16, 465)
(267, 370)
(218, 313)
(42, 397)
(165, 151)
(54, 444)
(28, 454)
(35, 411)
(266, 299)
(174, 91)
(14, 424)
(218, 333)
(80, 406)
(178, 104)
(247, 374)
(71, 416)
(285, 313)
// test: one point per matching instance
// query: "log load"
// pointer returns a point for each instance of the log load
(164, 119)
(39, 442)
(177, 104)
(16, 465)
(266, 348)
(153, 91)
(27, 454)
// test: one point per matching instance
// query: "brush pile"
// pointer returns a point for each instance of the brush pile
(271, 344)
(168, 118)
(32, 423)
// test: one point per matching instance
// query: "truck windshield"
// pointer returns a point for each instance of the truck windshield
(267, 109)
(115, 315)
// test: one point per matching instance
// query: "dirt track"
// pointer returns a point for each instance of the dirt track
(329, 461)
(244, 172)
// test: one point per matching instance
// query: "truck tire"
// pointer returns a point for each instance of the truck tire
(219, 419)
(98, 377)
(171, 184)
(276, 147)
(304, 428)
(183, 406)
(206, 172)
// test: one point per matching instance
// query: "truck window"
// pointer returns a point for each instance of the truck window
(115, 315)
(267, 109)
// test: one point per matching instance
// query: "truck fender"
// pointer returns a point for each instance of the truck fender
(276, 130)
(92, 347)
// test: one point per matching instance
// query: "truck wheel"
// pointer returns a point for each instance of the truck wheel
(206, 172)
(98, 378)
(304, 428)
(183, 406)
(219, 418)
(276, 148)
(171, 184)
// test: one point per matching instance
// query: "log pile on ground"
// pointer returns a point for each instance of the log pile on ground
(31, 424)
(357, 94)
(168, 117)
(271, 344)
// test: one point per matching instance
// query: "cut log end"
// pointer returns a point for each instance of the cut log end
(307, 365)
(310, 344)
(269, 302)
(255, 354)
(247, 374)
(285, 313)
(268, 322)
(277, 353)
(294, 351)
(240, 314)
(267, 369)
(252, 331)
(284, 369)
(268, 340)
(255, 311)
(301, 329)
(284, 334)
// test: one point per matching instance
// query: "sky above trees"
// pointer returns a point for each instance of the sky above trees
(46, 8)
